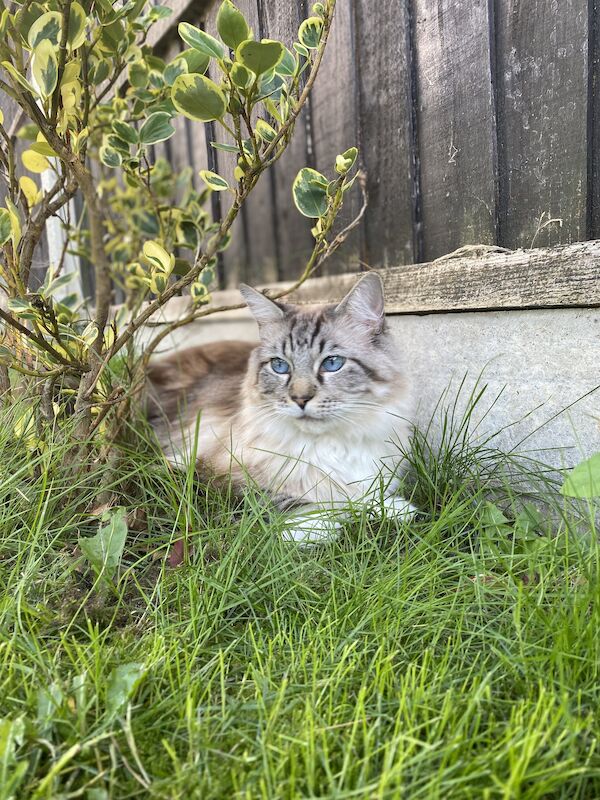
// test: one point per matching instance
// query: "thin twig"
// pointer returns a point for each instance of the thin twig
(314, 263)
(39, 340)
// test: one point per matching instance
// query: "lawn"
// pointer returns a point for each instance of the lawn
(453, 657)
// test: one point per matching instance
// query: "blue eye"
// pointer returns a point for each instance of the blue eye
(280, 366)
(332, 363)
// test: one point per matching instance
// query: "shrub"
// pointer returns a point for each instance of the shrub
(97, 98)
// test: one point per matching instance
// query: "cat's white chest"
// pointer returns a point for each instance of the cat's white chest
(334, 465)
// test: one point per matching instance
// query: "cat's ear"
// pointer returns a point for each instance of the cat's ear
(263, 309)
(364, 303)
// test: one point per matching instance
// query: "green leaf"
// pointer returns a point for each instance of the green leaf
(310, 193)
(28, 14)
(30, 189)
(309, 32)
(232, 25)
(110, 157)
(104, 550)
(139, 74)
(158, 256)
(176, 68)
(157, 128)
(125, 131)
(42, 148)
(113, 39)
(197, 97)
(213, 181)
(584, 481)
(494, 521)
(77, 26)
(15, 221)
(158, 282)
(196, 61)
(227, 148)
(45, 27)
(5, 227)
(265, 131)
(241, 76)
(19, 78)
(122, 683)
(112, 140)
(270, 84)
(201, 41)
(19, 306)
(49, 700)
(199, 293)
(57, 283)
(348, 184)
(528, 523)
(288, 64)
(259, 56)
(12, 770)
(301, 50)
(45, 67)
(99, 72)
(345, 161)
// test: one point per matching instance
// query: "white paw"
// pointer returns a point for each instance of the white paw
(398, 508)
(310, 529)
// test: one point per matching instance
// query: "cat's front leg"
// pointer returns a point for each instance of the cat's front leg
(312, 524)
(397, 508)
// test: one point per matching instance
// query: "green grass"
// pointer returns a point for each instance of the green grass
(454, 657)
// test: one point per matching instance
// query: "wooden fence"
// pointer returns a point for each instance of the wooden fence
(477, 122)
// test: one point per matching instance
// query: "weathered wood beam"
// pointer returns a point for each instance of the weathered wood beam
(556, 277)
(567, 276)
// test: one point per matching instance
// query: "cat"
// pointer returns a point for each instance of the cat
(314, 414)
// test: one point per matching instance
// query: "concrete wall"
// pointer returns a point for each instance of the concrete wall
(539, 362)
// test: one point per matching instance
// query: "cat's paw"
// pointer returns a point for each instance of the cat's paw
(310, 529)
(398, 508)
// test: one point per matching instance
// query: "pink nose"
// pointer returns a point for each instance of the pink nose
(302, 400)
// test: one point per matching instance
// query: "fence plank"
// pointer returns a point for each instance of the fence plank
(281, 21)
(542, 98)
(564, 276)
(386, 132)
(334, 113)
(260, 213)
(456, 124)
(233, 264)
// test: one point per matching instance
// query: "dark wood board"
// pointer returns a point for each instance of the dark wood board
(542, 82)
(593, 128)
(260, 213)
(562, 276)
(234, 261)
(456, 124)
(334, 123)
(387, 136)
(292, 230)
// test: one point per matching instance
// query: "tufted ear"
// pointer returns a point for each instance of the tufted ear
(364, 303)
(263, 309)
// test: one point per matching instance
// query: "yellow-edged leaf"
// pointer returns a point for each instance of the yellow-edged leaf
(34, 162)
(29, 188)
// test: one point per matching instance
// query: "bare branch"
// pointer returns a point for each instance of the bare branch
(62, 57)
(316, 260)
(38, 340)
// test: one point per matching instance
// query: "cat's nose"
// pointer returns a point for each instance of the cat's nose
(301, 400)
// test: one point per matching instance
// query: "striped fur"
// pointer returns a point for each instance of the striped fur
(308, 437)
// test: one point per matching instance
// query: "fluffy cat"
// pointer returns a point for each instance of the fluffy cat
(313, 414)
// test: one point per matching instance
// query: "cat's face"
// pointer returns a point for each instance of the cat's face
(323, 365)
